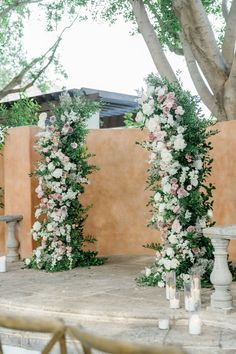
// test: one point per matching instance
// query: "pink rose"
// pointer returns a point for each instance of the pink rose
(188, 157)
(182, 193)
(191, 228)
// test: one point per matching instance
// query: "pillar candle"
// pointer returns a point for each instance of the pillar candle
(3, 264)
(195, 324)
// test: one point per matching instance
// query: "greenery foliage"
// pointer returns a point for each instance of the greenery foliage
(62, 174)
(180, 165)
(21, 112)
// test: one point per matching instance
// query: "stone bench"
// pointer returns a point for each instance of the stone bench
(12, 242)
(221, 277)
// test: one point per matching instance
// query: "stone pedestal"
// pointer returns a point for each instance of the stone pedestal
(12, 242)
(221, 277)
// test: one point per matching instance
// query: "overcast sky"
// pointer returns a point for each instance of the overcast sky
(101, 56)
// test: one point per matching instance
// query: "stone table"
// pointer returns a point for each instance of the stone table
(221, 277)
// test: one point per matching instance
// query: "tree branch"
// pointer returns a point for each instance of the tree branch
(230, 89)
(172, 48)
(230, 36)
(151, 40)
(16, 4)
(200, 85)
(18, 79)
(224, 8)
(199, 34)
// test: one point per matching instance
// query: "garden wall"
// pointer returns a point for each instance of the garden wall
(119, 215)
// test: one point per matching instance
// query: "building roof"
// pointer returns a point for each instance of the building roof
(114, 104)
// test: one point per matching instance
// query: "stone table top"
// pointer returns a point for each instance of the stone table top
(10, 218)
(221, 231)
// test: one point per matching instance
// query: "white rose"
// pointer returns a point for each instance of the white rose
(139, 117)
(166, 156)
(147, 271)
(57, 173)
(148, 109)
(152, 124)
(179, 143)
(50, 227)
(37, 226)
(157, 197)
(198, 164)
(167, 188)
(51, 166)
(174, 263)
(170, 252)
(161, 284)
(172, 239)
(210, 213)
(27, 261)
(180, 130)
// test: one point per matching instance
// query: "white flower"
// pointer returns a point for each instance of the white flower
(148, 108)
(157, 197)
(187, 215)
(210, 213)
(198, 164)
(176, 227)
(50, 227)
(57, 173)
(167, 188)
(170, 252)
(161, 284)
(37, 226)
(150, 90)
(51, 166)
(27, 261)
(180, 129)
(139, 117)
(166, 156)
(152, 124)
(174, 263)
(179, 143)
(147, 272)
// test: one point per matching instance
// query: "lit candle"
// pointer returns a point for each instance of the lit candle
(196, 294)
(163, 323)
(196, 281)
(174, 303)
(189, 303)
(167, 292)
(3, 264)
(195, 324)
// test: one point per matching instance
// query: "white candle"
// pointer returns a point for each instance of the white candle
(167, 292)
(196, 294)
(163, 323)
(174, 303)
(189, 303)
(195, 324)
(3, 264)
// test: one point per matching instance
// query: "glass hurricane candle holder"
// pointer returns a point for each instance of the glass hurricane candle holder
(175, 300)
(170, 284)
(196, 289)
(188, 298)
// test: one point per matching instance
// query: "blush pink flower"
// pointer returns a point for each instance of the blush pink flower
(182, 193)
(179, 111)
(191, 228)
(188, 157)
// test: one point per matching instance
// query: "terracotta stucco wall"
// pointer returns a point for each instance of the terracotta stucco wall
(224, 177)
(119, 215)
(18, 185)
(2, 225)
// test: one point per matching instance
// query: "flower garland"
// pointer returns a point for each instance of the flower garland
(179, 164)
(62, 174)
